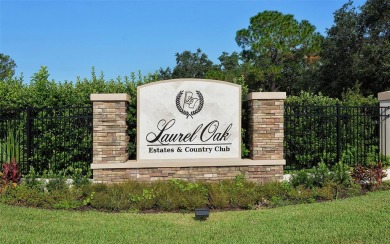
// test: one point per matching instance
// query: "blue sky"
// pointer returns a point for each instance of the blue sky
(120, 37)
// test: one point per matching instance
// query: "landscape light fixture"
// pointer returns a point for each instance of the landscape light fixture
(202, 213)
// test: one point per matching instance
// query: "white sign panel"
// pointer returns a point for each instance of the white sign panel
(189, 119)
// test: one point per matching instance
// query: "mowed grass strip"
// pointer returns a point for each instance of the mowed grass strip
(364, 219)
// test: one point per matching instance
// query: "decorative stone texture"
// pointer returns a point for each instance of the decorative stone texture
(110, 138)
(110, 144)
(259, 174)
(266, 129)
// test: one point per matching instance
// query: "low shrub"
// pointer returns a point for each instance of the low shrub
(32, 180)
(341, 174)
(79, 178)
(55, 181)
(302, 177)
(218, 197)
(168, 196)
(301, 194)
(321, 176)
(351, 190)
(369, 176)
(179, 195)
(326, 193)
(105, 201)
(113, 198)
(191, 195)
(241, 192)
(268, 190)
(24, 196)
(11, 173)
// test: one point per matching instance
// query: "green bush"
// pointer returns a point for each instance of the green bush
(301, 194)
(321, 175)
(218, 197)
(341, 174)
(23, 196)
(33, 197)
(55, 181)
(190, 195)
(319, 184)
(32, 181)
(241, 192)
(78, 176)
(105, 201)
(302, 178)
(168, 196)
(326, 192)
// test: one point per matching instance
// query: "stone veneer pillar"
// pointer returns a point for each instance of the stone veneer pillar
(266, 129)
(384, 110)
(110, 137)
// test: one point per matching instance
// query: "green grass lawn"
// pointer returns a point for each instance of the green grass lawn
(364, 219)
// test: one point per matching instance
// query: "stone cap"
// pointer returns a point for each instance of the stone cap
(175, 163)
(110, 97)
(383, 96)
(266, 96)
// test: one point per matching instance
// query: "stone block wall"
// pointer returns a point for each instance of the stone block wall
(266, 128)
(110, 136)
(259, 174)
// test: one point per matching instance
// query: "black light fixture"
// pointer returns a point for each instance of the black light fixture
(202, 213)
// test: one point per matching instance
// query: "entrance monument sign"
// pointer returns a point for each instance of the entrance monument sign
(188, 119)
(188, 129)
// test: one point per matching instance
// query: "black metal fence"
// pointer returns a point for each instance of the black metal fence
(47, 138)
(56, 138)
(330, 134)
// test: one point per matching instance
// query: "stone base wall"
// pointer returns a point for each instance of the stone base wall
(259, 174)
(266, 130)
(110, 136)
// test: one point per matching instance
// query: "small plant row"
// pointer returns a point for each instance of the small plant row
(369, 177)
(305, 186)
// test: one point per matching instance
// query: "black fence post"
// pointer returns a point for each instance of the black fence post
(29, 135)
(338, 132)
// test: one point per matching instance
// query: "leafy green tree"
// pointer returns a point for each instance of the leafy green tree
(164, 74)
(7, 67)
(357, 49)
(192, 65)
(373, 59)
(279, 51)
(230, 68)
(229, 62)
